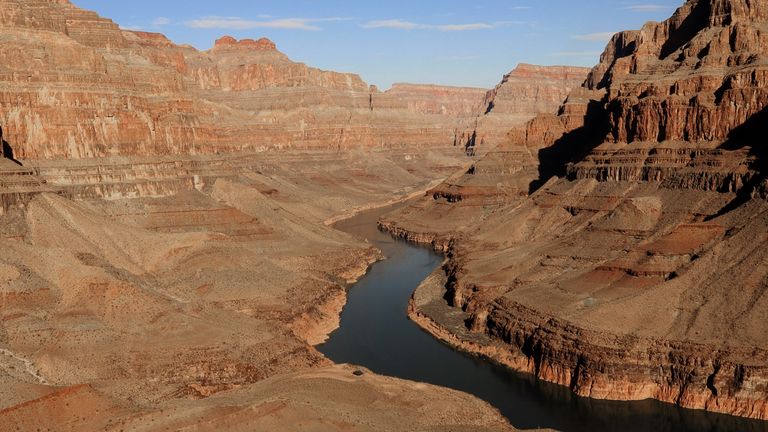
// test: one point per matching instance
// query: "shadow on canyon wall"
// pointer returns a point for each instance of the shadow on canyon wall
(751, 134)
(7, 150)
(694, 23)
(573, 146)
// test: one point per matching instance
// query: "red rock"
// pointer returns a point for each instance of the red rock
(76, 86)
(523, 93)
(635, 267)
(461, 102)
(228, 42)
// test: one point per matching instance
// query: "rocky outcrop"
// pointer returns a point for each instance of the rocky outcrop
(438, 243)
(623, 255)
(530, 88)
(523, 93)
(227, 43)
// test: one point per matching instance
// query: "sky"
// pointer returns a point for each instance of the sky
(449, 42)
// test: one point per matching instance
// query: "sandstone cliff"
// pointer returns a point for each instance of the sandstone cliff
(77, 86)
(618, 247)
(74, 85)
(524, 92)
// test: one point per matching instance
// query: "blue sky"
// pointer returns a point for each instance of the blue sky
(452, 42)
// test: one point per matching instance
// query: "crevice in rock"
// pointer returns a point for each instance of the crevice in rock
(576, 375)
(711, 380)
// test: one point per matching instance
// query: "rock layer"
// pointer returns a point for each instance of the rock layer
(77, 86)
(618, 247)
(524, 92)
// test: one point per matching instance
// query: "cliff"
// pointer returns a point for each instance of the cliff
(461, 102)
(617, 247)
(74, 85)
(523, 93)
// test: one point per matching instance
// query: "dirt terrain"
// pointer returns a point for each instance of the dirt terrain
(178, 311)
(332, 398)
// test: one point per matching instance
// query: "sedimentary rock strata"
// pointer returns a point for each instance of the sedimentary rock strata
(618, 247)
(524, 92)
(165, 230)
(75, 85)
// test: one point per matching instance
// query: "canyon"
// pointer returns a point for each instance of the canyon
(166, 218)
(617, 246)
(171, 262)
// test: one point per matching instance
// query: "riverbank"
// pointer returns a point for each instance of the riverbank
(188, 296)
(589, 363)
(382, 328)
(407, 196)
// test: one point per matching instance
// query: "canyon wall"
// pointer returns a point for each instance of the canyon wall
(75, 85)
(618, 246)
(524, 92)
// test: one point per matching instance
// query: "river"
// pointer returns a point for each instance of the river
(376, 333)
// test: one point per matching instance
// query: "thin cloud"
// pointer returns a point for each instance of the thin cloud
(235, 23)
(459, 58)
(464, 27)
(595, 37)
(521, 7)
(161, 21)
(576, 54)
(647, 8)
(409, 25)
(391, 24)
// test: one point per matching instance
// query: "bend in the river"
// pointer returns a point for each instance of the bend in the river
(376, 333)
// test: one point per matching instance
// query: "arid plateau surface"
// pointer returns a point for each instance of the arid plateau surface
(170, 262)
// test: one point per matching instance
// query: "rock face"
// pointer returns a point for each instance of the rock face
(461, 102)
(619, 247)
(77, 86)
(524, 92)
